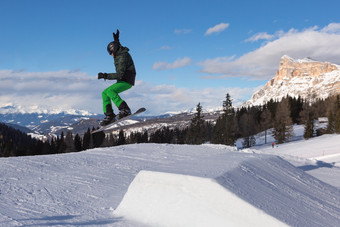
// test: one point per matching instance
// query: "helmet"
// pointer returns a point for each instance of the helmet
(113, 47)
(110, 48)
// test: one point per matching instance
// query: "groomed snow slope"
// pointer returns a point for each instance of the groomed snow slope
(261, 184)
(85, 188)
(165, 199)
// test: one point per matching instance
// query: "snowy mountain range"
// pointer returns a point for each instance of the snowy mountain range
(306, 78)
(53, 123)
(42, 123)
(41, 120)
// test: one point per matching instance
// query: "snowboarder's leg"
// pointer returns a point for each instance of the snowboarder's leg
(112, 93)
(124, 110)
(110, 116)
(106, 101)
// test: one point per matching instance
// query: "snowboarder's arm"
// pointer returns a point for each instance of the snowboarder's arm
(108, 76)
(112, 76)
(120, 64)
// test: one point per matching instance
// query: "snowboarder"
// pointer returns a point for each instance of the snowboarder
(125, 76)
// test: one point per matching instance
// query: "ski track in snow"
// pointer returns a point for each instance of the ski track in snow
(85, 188)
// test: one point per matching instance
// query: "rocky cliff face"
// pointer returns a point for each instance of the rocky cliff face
(306, 78)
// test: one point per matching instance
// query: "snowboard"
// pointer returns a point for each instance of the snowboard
(103, 128)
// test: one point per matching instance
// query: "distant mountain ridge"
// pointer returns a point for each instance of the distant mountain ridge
(42, 123)
(54, 124)
(17, 109)
(306, 78)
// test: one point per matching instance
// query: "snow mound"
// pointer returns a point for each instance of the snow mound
(252, 190)
(165, 199)
(284, 191)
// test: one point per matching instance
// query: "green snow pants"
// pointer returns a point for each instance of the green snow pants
(111, 93)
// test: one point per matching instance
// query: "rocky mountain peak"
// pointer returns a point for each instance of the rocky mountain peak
(290, 68)
(306, 77)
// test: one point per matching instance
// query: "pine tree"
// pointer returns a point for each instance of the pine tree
(121, 138)
(296, 106)
(225, 128)
(337, 122)
(69, 143)
(331, 112)
(163, 135)
(180, 135)
(86, 139)
(197, 133)
(145, 137)
(218, 136)
(61, 143)
(53, 149)
(283, 125)
(112, 140)
(98, 138)
(307, 116)
(230, 123)
(309, 128)
(167, 135)
(247, 129)
(272, 106)
(78, 143)
(248, 141)
(266, 122)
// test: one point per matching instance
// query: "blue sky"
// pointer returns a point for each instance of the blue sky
(185, 52)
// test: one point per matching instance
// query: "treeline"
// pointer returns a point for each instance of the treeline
(245, 122)
(232, 124)
(16, 143)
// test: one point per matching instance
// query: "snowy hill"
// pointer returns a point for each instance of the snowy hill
(243, 187)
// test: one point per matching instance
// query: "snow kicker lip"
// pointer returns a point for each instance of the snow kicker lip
(257, 191)
(284, 191)
(165, 199)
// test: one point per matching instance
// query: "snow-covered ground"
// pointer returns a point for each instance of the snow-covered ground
(319, 156)
(295, 184)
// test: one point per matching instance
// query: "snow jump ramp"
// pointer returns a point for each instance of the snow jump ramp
(250, 190)
(166, 199)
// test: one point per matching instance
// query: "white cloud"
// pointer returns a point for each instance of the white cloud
(168, 98)
(176, 64)
(217, 28)
(182, 31)
(260, 36)
(262, 63)
(165, 47)
(61, 90)
(332, 28)
(66, 90)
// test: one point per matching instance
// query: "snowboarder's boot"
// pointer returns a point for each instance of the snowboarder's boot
(124, 110)
(110, 116)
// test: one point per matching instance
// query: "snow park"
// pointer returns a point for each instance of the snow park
(98, 125)
(293, 184)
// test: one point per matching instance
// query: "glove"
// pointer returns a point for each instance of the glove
(102, 76)
(116, 36)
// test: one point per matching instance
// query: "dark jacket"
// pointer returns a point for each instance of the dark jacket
(125, 68)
